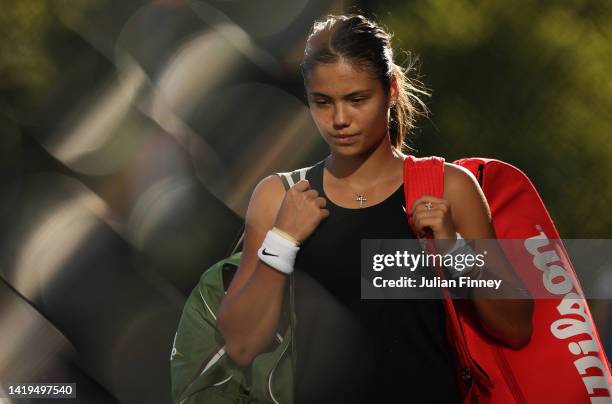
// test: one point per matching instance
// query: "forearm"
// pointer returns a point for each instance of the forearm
(248, 320)
(507, 319)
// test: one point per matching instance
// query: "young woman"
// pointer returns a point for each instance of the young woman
(349, 349)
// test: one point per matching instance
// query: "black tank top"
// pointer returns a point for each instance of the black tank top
(351, 350)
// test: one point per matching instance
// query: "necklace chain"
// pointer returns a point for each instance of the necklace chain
(359, 196)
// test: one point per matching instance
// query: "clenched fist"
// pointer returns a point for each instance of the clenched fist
(301, 211)
(435, 214)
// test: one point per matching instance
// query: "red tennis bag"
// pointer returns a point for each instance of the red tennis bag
(564, 361)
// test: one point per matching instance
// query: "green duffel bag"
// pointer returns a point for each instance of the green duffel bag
(200, 368)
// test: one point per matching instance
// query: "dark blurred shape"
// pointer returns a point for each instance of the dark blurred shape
(34, 349)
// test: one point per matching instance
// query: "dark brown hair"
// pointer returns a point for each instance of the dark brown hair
(366, 45)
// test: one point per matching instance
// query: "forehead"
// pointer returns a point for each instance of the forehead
(336, 79)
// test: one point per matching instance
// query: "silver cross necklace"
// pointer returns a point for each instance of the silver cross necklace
(361, 199)
(360, 196)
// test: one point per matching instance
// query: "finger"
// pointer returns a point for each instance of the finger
(434, 208)
(417, 202)
(425, 213)
(428, 216)
(324, 213)
(422, 207)
(430, 222)
(301, 185)
(311, 194)
(419, 227)
(321, 202)
(428, 198)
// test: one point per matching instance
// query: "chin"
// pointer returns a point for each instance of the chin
(355, 149)
(349, 151)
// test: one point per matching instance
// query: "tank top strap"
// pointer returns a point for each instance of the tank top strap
(315, 176)
(290, 178)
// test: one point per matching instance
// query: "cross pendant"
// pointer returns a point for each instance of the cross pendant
(361, 199)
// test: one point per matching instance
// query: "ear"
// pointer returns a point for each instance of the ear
(393, 92)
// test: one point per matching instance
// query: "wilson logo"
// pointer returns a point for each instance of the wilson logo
(573, 317)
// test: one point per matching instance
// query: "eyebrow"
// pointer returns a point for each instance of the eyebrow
(349, 95)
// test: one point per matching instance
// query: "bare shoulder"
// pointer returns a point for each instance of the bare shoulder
(459, 180)
(261, 214)
(470, 210)
(265, 201)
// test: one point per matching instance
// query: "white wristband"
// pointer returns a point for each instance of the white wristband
(278, 252)
(460, 242)
(462, 248)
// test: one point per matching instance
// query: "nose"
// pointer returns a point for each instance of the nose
(341, 117)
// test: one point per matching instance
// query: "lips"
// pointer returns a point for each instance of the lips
(344, 139)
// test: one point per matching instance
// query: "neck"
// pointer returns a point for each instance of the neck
(364, 170)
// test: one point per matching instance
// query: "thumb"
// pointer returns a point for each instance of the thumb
(302, 185)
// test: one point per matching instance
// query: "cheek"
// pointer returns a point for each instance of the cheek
(319, 116)
(373, 117)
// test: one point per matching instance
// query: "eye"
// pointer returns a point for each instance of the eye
(320, 101)
(357, 100)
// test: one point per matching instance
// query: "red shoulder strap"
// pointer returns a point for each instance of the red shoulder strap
(425, 176)
(422, 176)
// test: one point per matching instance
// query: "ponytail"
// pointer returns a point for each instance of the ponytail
(408, 107)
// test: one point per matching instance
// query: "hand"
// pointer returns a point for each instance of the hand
(301, 211)
(438, 219)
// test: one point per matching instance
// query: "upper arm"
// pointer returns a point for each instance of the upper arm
(469, 208)
(508, 320)
(261, 214)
